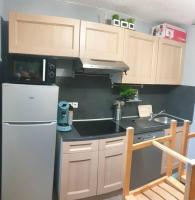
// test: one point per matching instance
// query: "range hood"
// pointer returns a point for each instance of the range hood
(102, 66)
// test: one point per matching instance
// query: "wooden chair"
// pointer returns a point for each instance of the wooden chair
(167, 187)
(186, 136)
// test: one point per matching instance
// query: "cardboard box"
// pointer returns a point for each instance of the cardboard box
(170, 32)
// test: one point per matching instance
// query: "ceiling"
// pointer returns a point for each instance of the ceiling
(175, 11)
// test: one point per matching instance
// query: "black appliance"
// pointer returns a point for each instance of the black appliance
(146, 163)
(25, 69)
(97, 128)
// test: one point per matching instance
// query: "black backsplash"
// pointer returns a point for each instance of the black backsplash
(96, 95)
(181, 101)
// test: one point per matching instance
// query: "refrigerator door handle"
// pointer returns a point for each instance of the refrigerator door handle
(29, 123)
(44, 70)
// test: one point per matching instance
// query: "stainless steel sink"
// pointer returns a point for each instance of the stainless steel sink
(163, 120)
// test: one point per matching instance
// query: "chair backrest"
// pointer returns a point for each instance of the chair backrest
(171, 139)
(186, 136)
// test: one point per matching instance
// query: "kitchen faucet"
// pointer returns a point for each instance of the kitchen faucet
(152, 115)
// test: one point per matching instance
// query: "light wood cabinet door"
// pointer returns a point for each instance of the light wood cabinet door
(43, 35)
(79, 175)
(170, 62)
(140, 54)
(177, 149)
(110, 170)
(100, 41)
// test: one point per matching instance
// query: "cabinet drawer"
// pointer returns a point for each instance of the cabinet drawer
(80, 146)
(110, 143)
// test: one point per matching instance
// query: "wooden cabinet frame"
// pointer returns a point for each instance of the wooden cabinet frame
(43, 35)
(140, 54)
(110, 170)
(170, 62)
(154, 60)
(84, 185)
(93, 160)
(101, 41)
(161, 64)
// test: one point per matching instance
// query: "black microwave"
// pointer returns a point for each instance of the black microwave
(25, 69)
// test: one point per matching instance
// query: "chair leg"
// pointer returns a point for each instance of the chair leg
(184, 145)
(171, 145)
(190, 182)
(128, 159)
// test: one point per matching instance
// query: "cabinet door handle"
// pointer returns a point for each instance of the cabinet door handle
(80, 149)
(114, 143)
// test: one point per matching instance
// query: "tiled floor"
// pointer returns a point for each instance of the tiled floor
(111, 196)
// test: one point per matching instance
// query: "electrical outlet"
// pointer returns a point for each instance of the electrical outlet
(74, 104)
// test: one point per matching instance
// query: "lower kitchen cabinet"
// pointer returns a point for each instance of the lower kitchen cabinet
(79, 175)
(90, 168)
(110, 170)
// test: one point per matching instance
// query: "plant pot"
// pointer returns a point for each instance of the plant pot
(124, 24)
(131, 26)
(116, 22)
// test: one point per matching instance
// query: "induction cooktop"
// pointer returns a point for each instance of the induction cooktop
(100, 127)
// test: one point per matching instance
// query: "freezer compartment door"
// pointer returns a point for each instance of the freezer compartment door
(28, 161)
(29, 103)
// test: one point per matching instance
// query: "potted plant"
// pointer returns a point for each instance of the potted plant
(127, 92)
(115, 20)
(131, 23)
(124, 23)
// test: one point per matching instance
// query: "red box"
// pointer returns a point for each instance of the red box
(170, 32)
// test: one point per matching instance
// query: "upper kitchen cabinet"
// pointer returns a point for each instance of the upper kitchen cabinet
(170, 62)
(100, 41)
(140, 54)
(43, 35)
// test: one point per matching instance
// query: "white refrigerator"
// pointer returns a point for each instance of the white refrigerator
(29, 115)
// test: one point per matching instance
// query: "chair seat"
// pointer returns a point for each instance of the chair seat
(166, 188)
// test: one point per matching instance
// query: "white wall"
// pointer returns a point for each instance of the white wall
(1, 7)
(191, 149)
(189, 62)
(189, 76)
(1, 14)
(60, 8)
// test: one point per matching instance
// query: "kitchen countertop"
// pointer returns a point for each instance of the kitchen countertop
(140, 125)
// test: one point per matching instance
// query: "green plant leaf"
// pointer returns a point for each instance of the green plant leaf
(122, 20)
(126, 91)
(131, 20)
(115, 16)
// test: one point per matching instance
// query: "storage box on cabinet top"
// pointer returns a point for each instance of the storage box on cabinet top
(170, 32)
